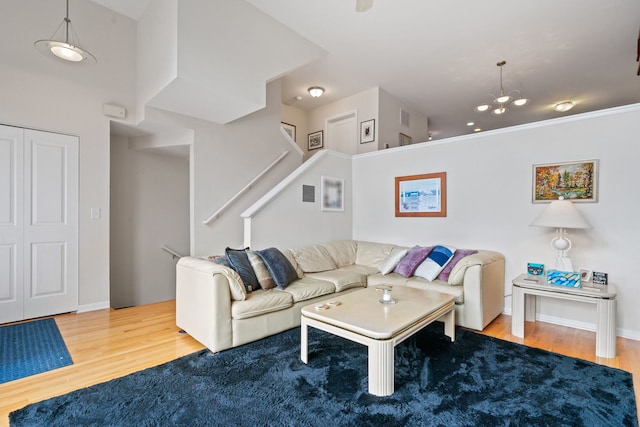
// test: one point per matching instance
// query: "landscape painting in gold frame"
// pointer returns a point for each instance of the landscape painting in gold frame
(421, 195)
(575, 181)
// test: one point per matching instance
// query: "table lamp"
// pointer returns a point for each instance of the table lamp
(561, 214)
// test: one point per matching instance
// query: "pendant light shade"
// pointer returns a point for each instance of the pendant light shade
(63, 44)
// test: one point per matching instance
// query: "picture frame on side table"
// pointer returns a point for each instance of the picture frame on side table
(290, 129)
(332, 190)
(367, 131)
(585, 275)
(576, 181)
(314, 140)
(421, 195)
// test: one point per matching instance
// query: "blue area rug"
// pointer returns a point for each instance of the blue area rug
(31, 348)
(475, 381)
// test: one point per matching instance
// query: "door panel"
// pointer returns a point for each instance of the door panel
(11, 223)
(342, 133)
(51, 231)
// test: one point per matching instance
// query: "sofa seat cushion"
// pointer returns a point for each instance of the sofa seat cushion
(457, 292)
(309, 287)
(342, 278)
(393, 279)
(261, 302)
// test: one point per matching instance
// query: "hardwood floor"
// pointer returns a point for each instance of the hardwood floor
(107, 344)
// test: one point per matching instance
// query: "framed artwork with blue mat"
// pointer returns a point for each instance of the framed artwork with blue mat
(31, 348)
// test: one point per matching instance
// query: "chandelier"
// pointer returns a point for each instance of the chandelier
(501, 101)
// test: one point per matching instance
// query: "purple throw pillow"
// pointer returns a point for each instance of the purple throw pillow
(407, 266)
(460, 253)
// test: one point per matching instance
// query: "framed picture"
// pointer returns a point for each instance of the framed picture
(585, 275)
(404, 139)
(421, 195)
(367, 131)
(290, 129)
(575, 181)
(314, 140)
(332, 190)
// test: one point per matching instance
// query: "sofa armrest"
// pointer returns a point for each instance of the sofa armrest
(483, 284)
(482, 257)
(203, 302)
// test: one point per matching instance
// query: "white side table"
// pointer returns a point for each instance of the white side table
(523, 307)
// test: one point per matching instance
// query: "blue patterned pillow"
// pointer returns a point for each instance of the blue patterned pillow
(240, 263)
(281, 270)
(435, 262)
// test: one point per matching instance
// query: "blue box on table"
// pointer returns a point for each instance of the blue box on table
(569, 279)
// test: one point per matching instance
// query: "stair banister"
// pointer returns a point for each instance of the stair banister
(246, 188)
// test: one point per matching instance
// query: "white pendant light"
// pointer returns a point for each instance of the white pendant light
(65, 46)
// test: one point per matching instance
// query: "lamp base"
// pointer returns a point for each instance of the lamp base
(563, 263)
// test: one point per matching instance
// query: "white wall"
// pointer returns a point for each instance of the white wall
(390, 126)
(489, 201)
(288, 222)
(41, 93)
(149, 209)
(366, 104)
(225, 159)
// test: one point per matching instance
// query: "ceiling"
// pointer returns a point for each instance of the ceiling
(440, 57)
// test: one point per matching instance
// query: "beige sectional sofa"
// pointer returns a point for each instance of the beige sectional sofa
(213, 306)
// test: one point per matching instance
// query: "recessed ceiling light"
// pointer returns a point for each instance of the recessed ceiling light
(477, 130)
(470, 123)
(564, 106)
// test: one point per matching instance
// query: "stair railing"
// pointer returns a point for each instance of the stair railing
(246, 188)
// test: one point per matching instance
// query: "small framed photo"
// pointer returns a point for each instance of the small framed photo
(368, 131)
(585, 275)
(290, 129)
(332, 190)
(314, 140)
(575, 181)
(404, 139)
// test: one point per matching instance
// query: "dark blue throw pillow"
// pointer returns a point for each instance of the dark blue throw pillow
(279, 267)
(239, 261)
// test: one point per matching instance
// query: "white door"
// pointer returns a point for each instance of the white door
(38, 223)
(342, 133)
(11, 191)
(51, 223)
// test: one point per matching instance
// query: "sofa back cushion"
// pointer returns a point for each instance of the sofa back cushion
(343, 252)
(312, 259)
(372, 254)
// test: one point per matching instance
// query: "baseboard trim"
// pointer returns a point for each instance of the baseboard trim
(95, 306)
(622, 333)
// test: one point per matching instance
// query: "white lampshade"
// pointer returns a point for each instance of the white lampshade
(561, 214)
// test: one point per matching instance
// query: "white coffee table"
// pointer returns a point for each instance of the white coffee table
(360, 317)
